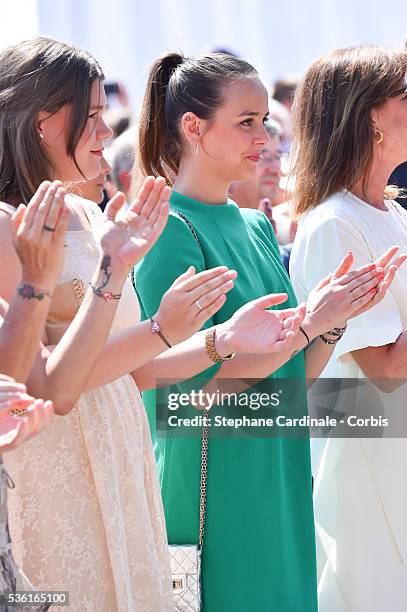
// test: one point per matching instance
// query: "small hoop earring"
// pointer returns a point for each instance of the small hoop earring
(378, 136)
(197, 148)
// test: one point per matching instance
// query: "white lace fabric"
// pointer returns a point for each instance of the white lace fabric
(86, 515)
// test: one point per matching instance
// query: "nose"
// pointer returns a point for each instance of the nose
(262, 137)
(103, 130)
(276, 165)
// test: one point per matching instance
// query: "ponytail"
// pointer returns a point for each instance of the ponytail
(155, 142)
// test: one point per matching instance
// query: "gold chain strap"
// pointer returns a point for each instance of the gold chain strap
(204, 478)
(204, 447)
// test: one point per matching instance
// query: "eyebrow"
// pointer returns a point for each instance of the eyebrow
(252, 114)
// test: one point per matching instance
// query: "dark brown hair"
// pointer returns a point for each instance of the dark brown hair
(175, 86)
(284, 89)
(36, 75)
(334, 136)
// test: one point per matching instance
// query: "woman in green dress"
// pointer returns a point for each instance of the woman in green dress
(202, 127)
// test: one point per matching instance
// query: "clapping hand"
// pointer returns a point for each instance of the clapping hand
(127, 238)
(345, 294)
(389, 270)
(21, 416)
(252, 329)
(192, 299)
(38, 235)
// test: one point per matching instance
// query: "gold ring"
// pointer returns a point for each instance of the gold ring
(353, 293)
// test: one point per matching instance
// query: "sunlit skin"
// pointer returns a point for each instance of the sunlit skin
(89, 150)
(391, 120)
(93, 189)
(266, 181)
(229, 145)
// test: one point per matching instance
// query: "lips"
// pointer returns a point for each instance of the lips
(98, 152)
(254, 158)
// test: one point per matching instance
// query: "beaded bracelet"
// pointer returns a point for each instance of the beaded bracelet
(336, 332)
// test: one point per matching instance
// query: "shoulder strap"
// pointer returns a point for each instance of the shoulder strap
(204, 445)
(203, 482)
(195, 235)
(191, 227)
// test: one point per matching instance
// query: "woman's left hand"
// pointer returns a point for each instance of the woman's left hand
(129, 237)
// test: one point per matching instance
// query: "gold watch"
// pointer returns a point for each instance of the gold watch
(211, 348)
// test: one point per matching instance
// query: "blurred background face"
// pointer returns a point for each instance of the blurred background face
(265, 183)
(269, 169)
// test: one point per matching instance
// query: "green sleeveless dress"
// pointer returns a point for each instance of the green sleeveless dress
(259, 548)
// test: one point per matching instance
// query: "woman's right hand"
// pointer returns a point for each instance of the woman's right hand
(191, 300)
(21, 416)
(38, 235)
(252, 329)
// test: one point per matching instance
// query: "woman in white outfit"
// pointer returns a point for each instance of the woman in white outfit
(351, 132)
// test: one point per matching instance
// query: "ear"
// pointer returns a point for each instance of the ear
(42, 115)
(191, 127)
(374, 115)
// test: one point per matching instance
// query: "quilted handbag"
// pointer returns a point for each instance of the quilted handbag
(186, 575)
(185, 559)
